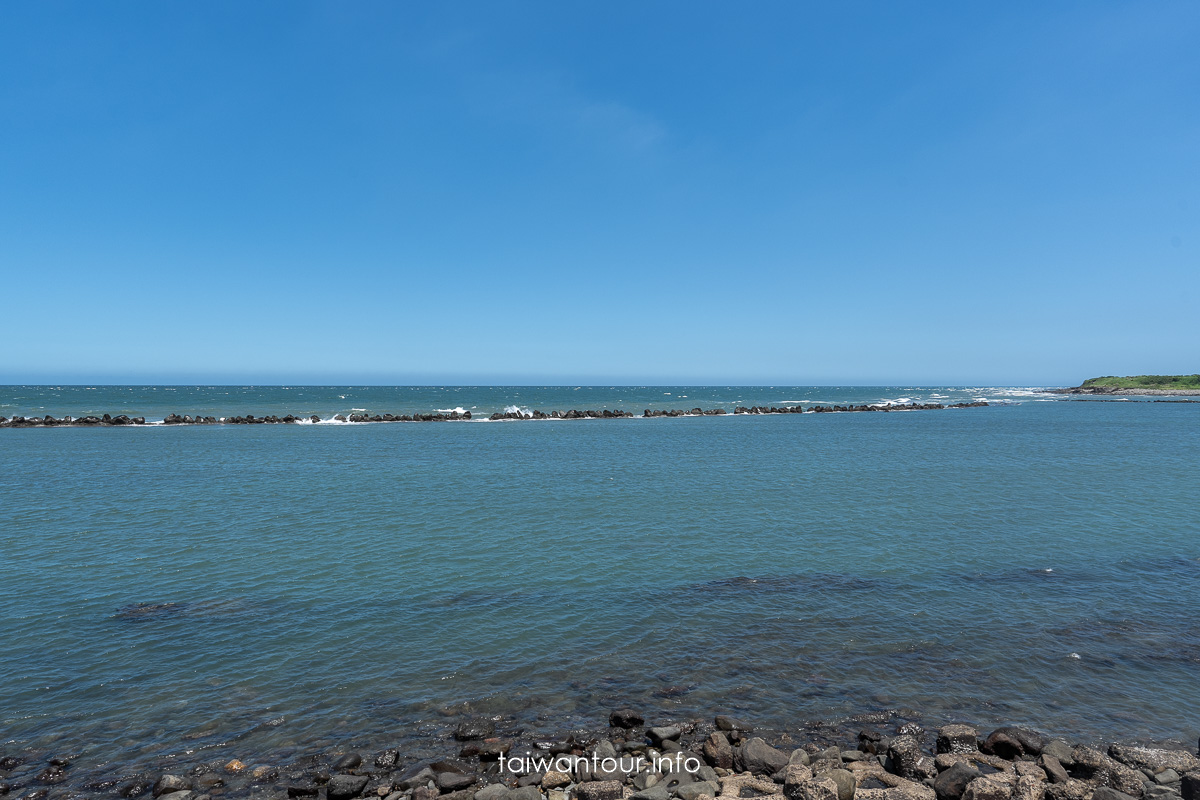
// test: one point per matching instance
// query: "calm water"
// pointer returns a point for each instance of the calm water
(1036, 563)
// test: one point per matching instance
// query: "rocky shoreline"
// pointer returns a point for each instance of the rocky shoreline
(121, 420)
(721, 759)
(1113, 390)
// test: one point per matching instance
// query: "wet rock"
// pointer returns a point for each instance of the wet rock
(907, 759)
(10, 762)
(872, 742)
(491, 751)
(234, 766)
(345, 787)
(625, 718)
(951, 783)
(303, 790)
(453, 781)
(726, 723)
(957, 739)
(387, 759)
(474, 729)
(661, 734)
(347, 762)
(599, 790)
(171, 783)
(51, 776)
(717, 751)
(759, 758)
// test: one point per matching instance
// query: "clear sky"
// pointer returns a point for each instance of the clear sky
(510, 192)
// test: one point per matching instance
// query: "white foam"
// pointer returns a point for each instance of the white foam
(460, 410)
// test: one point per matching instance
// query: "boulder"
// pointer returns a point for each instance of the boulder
(907, 759)
(694, 791)
(844, 779)
(170, 783)
(718, 752)
(347, 762)
(1092, 765)
(1108, 793)
(990, 787)
(1001, 744)
(1189, 786)
(345, 787)
(474, 729)
(951, 783)
(759, 758)
(664, 733)
(493, 791)
(1055, 772)
(453, 781)
(725, 723)
(957, 739)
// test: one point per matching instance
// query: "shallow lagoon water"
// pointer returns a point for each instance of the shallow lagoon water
(1036, 563)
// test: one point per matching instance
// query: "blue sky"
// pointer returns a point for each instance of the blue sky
(609, 192)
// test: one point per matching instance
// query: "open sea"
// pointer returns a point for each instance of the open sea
(1035, 562)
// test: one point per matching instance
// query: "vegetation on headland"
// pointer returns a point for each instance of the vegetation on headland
(1162, 382)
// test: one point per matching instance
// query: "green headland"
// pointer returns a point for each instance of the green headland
(1138, 384)
(1162, 382)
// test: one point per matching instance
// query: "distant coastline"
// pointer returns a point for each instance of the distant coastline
(1137, 385)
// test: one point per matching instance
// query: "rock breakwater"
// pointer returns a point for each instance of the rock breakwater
(120, 420)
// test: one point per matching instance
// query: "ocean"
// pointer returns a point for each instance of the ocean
(240, 591)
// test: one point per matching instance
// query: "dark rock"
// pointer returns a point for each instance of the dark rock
(951, 783)
(345, 787)
(725, 723)
(1189, 786)
(1108, 793)
(872, 742)
(957, 739)
(625, 718)
(51, 776)
(491, 751)
(347, 762)
(908, 761)
(1001, 744)
(599, 790)
(387, 759)
(453, 781)
(474, 729)
(1031, 742)
(303, 790)
(758, 757)
(11, 762)
(717, 751)
(171, 783)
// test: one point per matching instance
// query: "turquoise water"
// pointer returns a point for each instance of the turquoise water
(1035, 563)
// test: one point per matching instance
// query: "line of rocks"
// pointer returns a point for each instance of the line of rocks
(249, 419)
(828, 409)
(692, 760)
